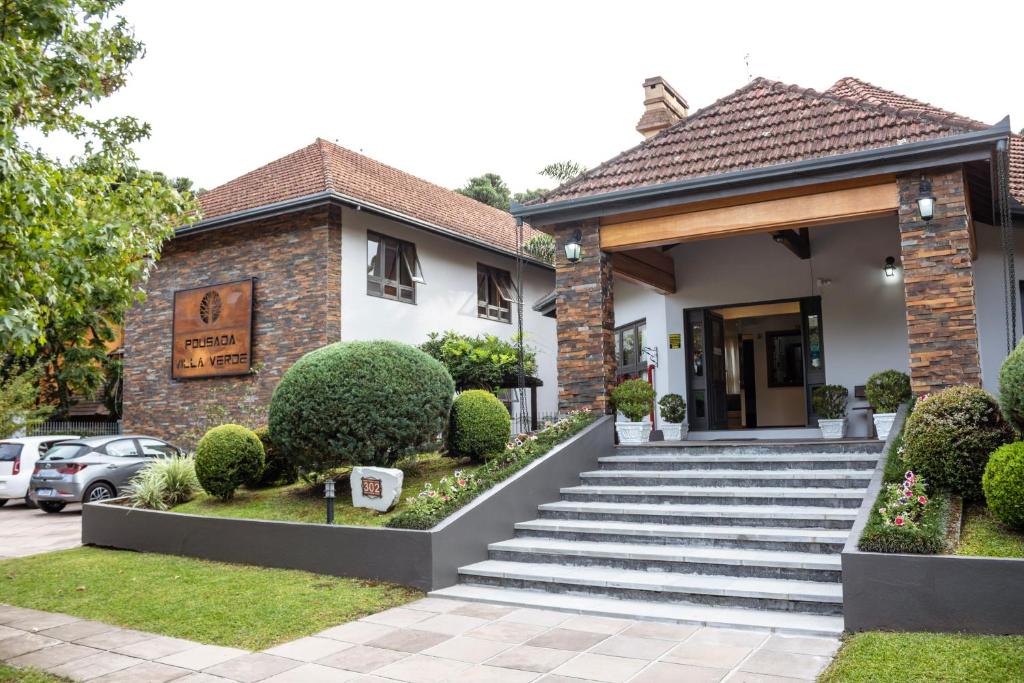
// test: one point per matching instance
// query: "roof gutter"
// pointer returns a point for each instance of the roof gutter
(972, 146)
(327, 197)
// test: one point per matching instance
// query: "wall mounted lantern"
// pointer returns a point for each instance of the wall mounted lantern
(890, 267)
(926, 200)
(573, 248)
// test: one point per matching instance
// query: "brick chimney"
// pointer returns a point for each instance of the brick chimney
(663, 107)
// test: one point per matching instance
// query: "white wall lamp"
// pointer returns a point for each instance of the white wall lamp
(573, 248)
(890, 267)
(925, 199)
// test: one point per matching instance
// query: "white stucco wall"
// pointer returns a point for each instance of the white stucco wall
(863, 314)
(446, 302)
(990, 297)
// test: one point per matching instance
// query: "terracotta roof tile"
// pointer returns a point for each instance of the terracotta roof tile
(766, 123)
(325, 166)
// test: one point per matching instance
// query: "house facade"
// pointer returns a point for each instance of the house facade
(777, 243)
(319, 246)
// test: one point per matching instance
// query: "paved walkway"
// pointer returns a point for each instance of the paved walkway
(30, 532)
(426, 641)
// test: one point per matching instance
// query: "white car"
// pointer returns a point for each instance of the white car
(17, 460)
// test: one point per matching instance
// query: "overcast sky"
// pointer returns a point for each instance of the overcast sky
(447, 90)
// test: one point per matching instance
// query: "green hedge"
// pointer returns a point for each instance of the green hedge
(1004, 484)
(438, 501)
(359, 403)
(1011, 388)
(930, 536)
(227, 457)
(480, 425)
(278, 469)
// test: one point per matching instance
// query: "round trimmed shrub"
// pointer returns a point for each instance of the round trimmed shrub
(673, 408)
(886, 390)
(1004, 484)
(949, 436)
(633, 398)
(480, 425)
(277, 469)
(1011, 388)
(227, 457)
(359, 403)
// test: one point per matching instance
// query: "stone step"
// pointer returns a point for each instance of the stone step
(746, 478)
(718, 536)
(663, 559)
(723, 591)
(788, 623)
(798, 461)
(732, 495)
(740, 447)
(789, 516)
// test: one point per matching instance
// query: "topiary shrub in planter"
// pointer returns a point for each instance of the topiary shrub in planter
(949, 436)
(633, 399)
(886, 391)
(359, 403)
(480, 425)
(673, 413)
(829, 401)
(227, 457)
(1011, 388)
(278, 468)
(1003, 484)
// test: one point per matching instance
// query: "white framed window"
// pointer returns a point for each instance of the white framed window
(495, 293)
(392, 268)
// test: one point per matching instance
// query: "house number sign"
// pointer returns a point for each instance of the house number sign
(212, 331)
(372, 487)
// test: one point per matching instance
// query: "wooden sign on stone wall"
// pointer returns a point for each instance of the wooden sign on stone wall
(212, 331)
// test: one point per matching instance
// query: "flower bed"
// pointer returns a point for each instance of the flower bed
(434, 503)
(905, 518)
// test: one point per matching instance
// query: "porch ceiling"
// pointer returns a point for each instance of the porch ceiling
(818, 205)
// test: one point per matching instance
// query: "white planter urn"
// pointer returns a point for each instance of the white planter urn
(883, 424)
(633, 432)
(674, 431)
(832, 429)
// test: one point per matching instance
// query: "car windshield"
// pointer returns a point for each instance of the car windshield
(65, 451)
(9, 451)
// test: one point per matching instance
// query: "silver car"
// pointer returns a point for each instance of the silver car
(93, 469)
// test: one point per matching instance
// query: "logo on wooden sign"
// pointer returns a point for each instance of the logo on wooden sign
(212, 331)
(372, 487)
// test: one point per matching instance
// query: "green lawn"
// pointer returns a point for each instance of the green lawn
(297, 503)
(983, 536)
(8, 674)
(877, 657)
(211, 602)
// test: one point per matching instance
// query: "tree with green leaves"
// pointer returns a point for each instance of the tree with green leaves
(480, 362)
(77, 237)
(489, 189)
(563, 171)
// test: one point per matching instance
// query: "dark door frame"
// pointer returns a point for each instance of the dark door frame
(809, 305)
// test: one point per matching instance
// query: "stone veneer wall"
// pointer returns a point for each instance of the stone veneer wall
(296, 260)
(586, 322)
(938, 276)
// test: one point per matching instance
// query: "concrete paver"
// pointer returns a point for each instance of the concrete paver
(428, 641)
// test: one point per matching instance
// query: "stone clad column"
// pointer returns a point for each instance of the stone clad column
(586, 322)
(938, 276)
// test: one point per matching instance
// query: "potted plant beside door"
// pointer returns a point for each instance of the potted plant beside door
(633, 398)
(673, 413)
(830, 406)
(885, 391)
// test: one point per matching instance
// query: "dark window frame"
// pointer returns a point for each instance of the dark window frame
(408, 271)
(637, 368)
(489, 297)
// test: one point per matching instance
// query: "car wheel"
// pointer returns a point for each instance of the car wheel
(3, 501)
(30, 504)
(98, 492)
(51, 507)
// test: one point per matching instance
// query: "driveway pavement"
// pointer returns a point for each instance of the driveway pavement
(28, 532)
(428, 641)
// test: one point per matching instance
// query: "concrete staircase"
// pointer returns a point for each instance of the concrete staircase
(726, 534)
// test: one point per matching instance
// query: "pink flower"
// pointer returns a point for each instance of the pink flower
(462, 482)
(899, 521)
(922, 500)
